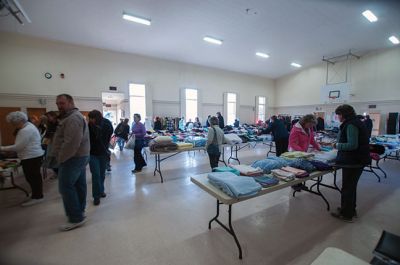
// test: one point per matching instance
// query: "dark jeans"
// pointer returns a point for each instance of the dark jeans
(72, 186)
(214, 160)
(31, 169)
(98, 166)
(281, 146)
(137, 155)
(350, 177)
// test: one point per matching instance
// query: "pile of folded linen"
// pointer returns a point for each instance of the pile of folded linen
(283, 175)
(301, 163)
(196, 141)
(267, 181)
(297, 154)
(226, 169)
(233, 185)
(321, 166)
(184, 146)
(270, 163)
(326, 157)
(162, 144)
(232, 139)
(299, 173)
(249, 171)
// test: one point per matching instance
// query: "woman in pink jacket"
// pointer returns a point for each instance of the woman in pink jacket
(302, 135)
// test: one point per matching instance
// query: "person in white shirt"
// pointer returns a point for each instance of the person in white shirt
(29, 150)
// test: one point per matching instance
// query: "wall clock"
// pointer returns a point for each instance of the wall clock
(47, 75)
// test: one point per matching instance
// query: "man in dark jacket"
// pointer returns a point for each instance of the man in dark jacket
(353, 155)
(221, 122)
(280, 134)
(368, 125)
(122, 132)
(100, 130)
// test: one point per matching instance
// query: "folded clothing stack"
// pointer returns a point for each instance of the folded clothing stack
(283, 175)
(299, 173)
(301, 164)
(232, 139)
(266, 181)
(226, 169)
(326, 157)
(196, 141)
(233, 185)
(297, 154)
(248, 170)
(270, 163)
(184, 146)
(162, 144)
(321, 166)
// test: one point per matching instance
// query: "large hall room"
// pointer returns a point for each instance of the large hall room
(199, 132)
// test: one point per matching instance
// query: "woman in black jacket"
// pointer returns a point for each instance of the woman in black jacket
(352, 157)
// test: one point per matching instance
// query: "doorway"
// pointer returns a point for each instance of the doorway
(112, 106)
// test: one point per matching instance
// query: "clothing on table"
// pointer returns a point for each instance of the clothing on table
(321, 166)
(226, 169)
(269, 164)
(248, 170)
(283, 175)
(303, 164)
(298, 172)
(297, 154)
(233, 185)
(184, 146)
(326, 157)
(163, 146)
(266, 181)
(300, 139)
(232, 139)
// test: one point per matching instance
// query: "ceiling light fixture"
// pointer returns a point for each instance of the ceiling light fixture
(212, 40)
(394, 40)
(261, 54)
(296, 65)
(136, 19)
(370, 16)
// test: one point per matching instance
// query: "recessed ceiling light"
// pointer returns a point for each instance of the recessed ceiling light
(136, 19)
(370, 16)
(261, 54)
(394, 40)
(296, 65)
(212, 40)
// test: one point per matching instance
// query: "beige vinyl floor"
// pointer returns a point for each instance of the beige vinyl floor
(144, 222)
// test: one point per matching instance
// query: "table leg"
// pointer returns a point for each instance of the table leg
(230, 230)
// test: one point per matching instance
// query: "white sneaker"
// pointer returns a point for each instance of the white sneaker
(69, 226)
(31, 202)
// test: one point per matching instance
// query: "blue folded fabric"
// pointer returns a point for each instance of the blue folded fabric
(302, 164)
(320, 165)
(227, 169)
(233, 185)
(270, 163)
(266, 181)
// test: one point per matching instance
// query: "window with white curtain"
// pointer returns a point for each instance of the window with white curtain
(231, 108)
(191, 102)
(137, 99)
(261, 108)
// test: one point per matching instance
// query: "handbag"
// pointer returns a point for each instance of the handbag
(131, 142)
(213, 148)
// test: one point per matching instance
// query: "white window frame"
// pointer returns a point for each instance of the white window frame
(191, 100)
(230, 120)
(261, 115)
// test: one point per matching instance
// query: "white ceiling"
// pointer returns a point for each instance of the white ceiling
(288, 30)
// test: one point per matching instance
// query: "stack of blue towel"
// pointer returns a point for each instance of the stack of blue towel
(233, 185)
(266, 181)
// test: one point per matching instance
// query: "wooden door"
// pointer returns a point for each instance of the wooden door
(6, 129)
(37, 112)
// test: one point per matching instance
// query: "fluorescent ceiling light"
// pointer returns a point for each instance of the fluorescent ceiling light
(212, 40)
(296, 65)
(394, 40)
(261, 54)
(136, 19)
(370, 16)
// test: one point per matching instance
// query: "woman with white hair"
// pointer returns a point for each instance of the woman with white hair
(28, 147)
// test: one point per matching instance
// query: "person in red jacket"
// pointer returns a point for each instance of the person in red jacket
(302, 135)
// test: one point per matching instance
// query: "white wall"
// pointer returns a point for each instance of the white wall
(90, 71)
(374, 78)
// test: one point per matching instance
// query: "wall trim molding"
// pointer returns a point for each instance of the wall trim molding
(155, 101)
(34, 97)
(376, 102)
(212, 104)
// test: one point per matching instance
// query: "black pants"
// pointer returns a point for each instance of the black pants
(31, 169)
(281, 146)
(137, 155)
(214, 159)
(350, 177)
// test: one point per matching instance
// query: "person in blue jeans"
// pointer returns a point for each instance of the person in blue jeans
(100, 130)
(71, 147)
